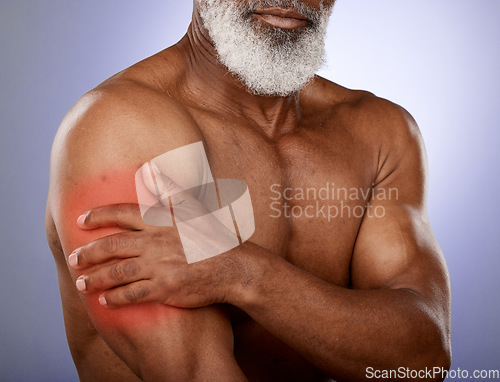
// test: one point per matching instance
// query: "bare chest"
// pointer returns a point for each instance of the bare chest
(309, 193)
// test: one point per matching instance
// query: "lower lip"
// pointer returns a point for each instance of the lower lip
(281, 22)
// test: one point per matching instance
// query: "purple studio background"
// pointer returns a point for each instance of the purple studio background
(438, 59)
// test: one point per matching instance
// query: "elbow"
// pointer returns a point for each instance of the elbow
(425, 348)
(440, 364)
(431, 364)
(442, 354)
(435, 355)
(443, 360)
(431, 337)
(446, 357)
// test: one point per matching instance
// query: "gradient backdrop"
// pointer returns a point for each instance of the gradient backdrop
(437, 58)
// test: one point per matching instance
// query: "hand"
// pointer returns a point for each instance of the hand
(147, 264)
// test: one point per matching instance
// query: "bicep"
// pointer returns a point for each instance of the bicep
(396, 248)
(398, 251)
(91, 354)
(154, 340)
(76, 195)
(145, 336)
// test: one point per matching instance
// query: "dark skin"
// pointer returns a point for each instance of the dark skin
(305, 298)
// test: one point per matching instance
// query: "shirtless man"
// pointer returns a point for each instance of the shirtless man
(311, 296)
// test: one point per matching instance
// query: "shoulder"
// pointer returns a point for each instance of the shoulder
(121, 121)
(385, 136)
(107, 136)
(366, 107)
(366, 116)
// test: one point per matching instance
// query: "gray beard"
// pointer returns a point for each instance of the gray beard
(268, 61)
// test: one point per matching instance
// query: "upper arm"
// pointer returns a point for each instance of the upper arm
(396, 248)
(95, 155)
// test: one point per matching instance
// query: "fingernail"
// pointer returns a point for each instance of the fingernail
(81, 219)
(102, 300)
(73, 259)
(80, 284)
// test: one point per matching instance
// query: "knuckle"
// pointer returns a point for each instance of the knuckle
(116, 272)
(137, 293)
(131, 241)
(117, 242)
(131, 269)
(161, 238)
(157, 240)
(120, 272)
(113, 243)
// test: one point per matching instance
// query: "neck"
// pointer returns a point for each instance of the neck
(207, 78)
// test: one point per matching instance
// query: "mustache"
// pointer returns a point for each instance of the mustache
(312, 14)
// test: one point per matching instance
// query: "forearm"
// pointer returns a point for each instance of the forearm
(341, 331)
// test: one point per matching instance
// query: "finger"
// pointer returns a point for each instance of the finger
(110, 276)
(118, 246)
(135, 293)
(125, 216)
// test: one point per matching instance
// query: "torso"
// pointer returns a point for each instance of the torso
(296, 166)
(328, 151)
